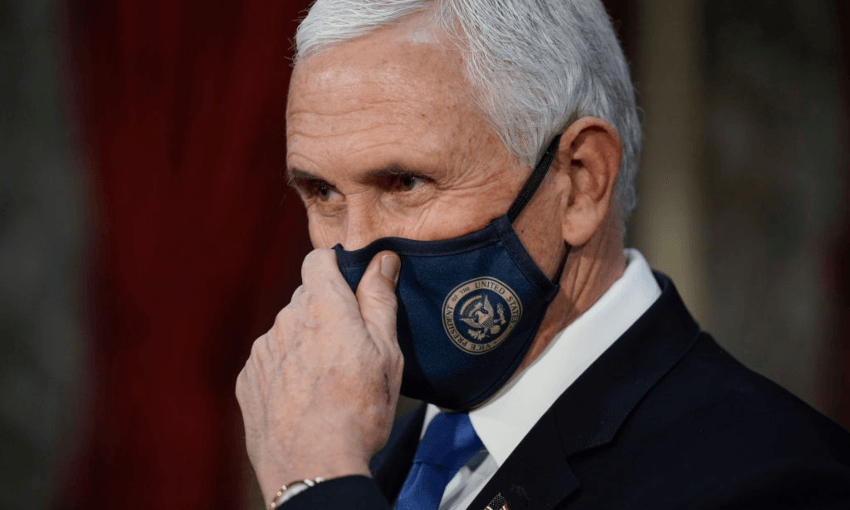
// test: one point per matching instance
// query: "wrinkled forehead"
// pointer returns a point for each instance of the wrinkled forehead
(393, 97)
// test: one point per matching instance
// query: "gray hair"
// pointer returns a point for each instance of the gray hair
(537, 65)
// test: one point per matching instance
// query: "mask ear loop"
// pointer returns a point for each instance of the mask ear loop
(530, 188)
(534, 180)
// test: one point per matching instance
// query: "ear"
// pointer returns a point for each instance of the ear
(589, 155)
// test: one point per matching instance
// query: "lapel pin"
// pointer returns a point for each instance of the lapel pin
(498, 503)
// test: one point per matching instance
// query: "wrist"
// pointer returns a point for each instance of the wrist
(292, 489)
(271, 479)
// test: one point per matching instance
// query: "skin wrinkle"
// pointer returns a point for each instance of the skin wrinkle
(387, 388)
(361, 200)
(365, 131)
(320, 137)
(353, 112)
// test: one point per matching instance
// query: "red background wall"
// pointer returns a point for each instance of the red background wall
(195, 242)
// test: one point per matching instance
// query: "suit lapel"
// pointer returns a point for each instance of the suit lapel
(392, 463)
(537, 475)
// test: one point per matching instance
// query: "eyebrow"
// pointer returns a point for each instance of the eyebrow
(295, 175)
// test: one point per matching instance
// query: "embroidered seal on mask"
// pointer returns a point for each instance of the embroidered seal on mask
(478, 315)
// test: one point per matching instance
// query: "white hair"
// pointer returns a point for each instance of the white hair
(536, 65)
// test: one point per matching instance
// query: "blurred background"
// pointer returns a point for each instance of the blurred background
(147, 235)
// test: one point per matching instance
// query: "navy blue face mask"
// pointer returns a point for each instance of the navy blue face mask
(468, 307)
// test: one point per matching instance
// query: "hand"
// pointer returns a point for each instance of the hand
(319, 391)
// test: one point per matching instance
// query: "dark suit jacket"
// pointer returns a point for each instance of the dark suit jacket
(664, 419)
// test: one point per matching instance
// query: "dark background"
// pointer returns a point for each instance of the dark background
(147, 235)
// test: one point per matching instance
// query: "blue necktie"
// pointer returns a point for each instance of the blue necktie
(448, 444)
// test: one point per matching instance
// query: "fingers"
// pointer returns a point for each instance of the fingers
(330, 362)
(376, 297)
(375, 301)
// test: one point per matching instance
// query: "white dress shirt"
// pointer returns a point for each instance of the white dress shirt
(510, 414)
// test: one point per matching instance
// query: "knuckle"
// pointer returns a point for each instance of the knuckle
(318, 258)
(312, 307)
(310, 259)
(396, 362)
(258, 349)
(281, 320)
(240, 384)
(280, 317)
(296, 294)
(306, 297)
(244, 382)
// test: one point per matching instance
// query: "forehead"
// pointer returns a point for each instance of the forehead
(398, 90)
(414, 52)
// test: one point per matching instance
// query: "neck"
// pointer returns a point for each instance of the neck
(590, 270)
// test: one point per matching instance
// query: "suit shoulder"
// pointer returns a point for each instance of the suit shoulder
(719, 401)
(713, 434)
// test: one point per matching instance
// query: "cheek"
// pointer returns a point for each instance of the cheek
(323, 233)
(539, 229)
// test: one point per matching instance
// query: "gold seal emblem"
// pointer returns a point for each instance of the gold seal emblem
(479, 314)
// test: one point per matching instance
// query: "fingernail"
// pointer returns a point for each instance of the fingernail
(390, 265)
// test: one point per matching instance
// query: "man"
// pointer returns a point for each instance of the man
(467, 166)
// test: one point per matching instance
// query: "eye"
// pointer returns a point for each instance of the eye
(407, 181)
(320, 189)
(323, 190)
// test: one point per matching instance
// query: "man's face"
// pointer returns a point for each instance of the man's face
(384, 140)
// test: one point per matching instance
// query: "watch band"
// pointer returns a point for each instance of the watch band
(291, 489)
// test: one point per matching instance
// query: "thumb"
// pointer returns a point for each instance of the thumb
(376, 296)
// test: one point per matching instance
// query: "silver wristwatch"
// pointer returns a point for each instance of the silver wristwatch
(286, 492)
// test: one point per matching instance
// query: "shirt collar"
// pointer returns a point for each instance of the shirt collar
(506, 418)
